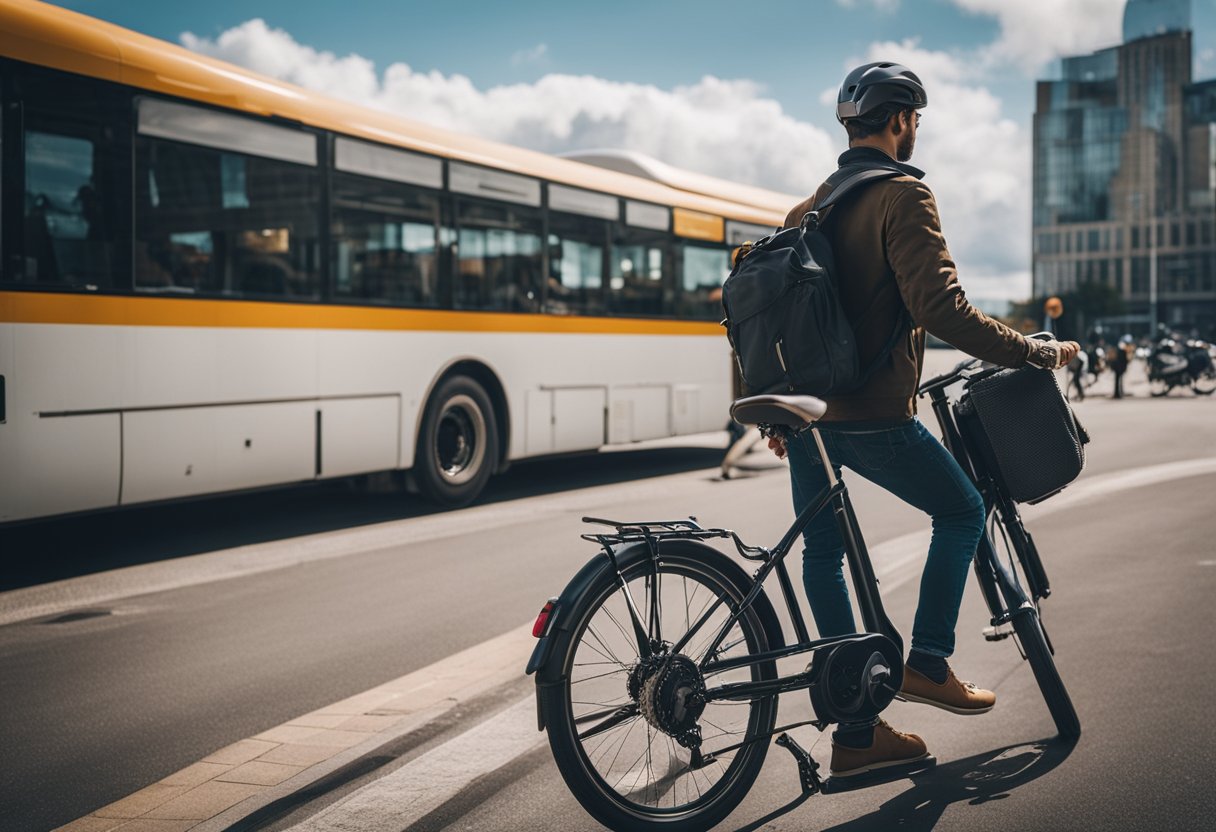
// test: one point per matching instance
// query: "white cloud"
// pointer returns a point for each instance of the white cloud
(725, 128)
(977, 161)
(535, 55)
(1034, 32)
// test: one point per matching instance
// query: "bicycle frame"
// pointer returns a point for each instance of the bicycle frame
(836, 497)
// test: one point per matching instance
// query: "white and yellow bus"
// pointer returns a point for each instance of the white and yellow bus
(212, 281)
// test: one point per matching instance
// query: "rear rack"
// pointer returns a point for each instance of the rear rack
(653, 531)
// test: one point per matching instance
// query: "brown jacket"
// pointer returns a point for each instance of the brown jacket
(891, 255)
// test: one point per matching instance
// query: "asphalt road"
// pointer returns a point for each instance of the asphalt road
(98, 705)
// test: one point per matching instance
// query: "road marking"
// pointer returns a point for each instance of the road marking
(1207, 563)
(401, 798)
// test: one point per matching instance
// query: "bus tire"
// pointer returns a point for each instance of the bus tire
(457, 443)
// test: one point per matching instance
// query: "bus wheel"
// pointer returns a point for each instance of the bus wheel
(458, 443)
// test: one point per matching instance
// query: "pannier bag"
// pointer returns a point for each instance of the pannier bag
(1025, 432)
(783, 313)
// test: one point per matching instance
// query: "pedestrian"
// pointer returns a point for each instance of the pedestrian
(1077, 368)
(1120, 359)
(888, 245)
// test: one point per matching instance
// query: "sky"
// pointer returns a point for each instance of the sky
(740, 91)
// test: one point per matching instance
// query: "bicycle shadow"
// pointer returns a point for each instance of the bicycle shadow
(991, 775)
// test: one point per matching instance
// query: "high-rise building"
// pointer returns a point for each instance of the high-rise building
(1124, 176)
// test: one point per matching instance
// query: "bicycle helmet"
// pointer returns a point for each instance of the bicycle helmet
(871, 89)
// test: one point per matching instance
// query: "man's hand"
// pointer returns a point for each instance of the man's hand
(1052, 355)
(777, 446)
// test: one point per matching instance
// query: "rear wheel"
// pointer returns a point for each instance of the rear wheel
(622, 726)
(457, 443)
(1157, 386)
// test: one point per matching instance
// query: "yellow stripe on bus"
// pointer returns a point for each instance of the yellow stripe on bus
(126, 310)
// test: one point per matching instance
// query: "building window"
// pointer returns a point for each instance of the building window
(1135, 236)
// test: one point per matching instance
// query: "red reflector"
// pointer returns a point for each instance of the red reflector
(542, 620)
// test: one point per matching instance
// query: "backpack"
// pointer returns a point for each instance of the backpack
(783, 313)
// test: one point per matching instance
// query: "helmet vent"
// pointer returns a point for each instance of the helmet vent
(852, 88)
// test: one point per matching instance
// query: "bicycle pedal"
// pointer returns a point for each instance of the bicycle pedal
(997, 633)
(808, 769)
(836, 785)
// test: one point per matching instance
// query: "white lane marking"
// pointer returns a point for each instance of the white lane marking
(895, 560)
(406, 795)
(1207, 563)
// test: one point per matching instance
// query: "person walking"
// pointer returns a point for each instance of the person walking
(1120, 359)
(895, 271)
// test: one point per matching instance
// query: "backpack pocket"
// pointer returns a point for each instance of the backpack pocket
(817, 344)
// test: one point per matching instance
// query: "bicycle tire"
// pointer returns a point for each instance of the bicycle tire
(1029, 631)
(588, 785)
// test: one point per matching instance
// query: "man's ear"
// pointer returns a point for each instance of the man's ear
(895, 124)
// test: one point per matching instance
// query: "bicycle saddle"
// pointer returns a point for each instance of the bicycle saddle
(794, 411)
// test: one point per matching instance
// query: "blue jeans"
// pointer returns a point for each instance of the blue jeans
(909, 462)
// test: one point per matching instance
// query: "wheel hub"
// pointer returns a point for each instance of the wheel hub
(672, 698)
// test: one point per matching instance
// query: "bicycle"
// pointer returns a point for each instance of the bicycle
(658, 715)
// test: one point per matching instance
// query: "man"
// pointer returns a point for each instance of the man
(892, 263)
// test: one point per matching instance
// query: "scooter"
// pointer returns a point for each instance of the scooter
(1189, 364)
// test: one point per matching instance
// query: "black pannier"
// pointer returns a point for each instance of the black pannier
(1024, 432)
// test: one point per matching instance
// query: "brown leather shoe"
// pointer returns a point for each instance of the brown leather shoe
(951, 695)
(889, 748)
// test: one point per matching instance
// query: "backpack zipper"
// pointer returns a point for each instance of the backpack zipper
(781, 357)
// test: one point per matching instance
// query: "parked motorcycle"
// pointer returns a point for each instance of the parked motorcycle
(1181, 364)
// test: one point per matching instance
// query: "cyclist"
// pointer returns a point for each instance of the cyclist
(893, 261)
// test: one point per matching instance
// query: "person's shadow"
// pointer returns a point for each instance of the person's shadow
(978, 779)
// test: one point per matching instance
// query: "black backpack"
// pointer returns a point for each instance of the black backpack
(783, 313)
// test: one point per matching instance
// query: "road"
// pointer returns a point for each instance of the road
(167, 633)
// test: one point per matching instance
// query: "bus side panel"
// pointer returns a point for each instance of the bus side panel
(359, 436)
(196, 450)
(54, 463)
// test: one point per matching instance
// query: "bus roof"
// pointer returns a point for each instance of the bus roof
(46, 35)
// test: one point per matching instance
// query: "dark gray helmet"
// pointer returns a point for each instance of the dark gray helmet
(870, 87)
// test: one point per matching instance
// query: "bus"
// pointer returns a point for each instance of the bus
(212, 281)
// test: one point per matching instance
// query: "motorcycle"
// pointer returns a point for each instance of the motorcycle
(1188, 364)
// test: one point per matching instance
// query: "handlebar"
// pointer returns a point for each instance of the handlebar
(963, 369)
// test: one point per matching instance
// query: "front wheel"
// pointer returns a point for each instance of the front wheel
(1029, 631)
(623, 726)
(1158, 386)
(1205, 383)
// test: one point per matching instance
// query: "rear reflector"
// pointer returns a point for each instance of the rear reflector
(542, 620)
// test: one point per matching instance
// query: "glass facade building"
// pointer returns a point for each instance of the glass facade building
(1124, 184)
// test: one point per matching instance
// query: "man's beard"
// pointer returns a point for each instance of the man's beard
(903, 150)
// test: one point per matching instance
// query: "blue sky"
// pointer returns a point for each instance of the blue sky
(735, 90)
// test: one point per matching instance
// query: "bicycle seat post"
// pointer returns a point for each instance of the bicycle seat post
(823, 456)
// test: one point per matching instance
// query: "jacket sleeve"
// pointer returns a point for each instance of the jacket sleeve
(928, 282)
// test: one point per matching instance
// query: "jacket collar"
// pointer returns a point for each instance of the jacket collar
(872, 156)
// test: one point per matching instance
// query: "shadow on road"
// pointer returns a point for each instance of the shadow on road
(42, 551)
(992, 775)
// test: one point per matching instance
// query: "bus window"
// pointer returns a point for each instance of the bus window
(384, 242)
(636, 284)
(498, 258)
(214, 222)
(576, 265)
(704, 271)
(71, 220)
